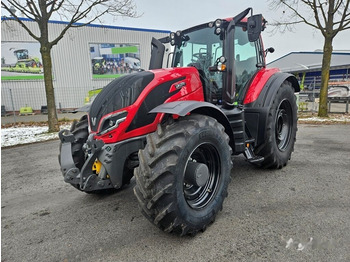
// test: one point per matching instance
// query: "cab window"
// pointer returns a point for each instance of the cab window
(245, 59)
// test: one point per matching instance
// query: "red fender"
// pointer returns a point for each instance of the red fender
(258, 83)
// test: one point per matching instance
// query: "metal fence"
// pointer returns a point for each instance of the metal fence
(314, 82)
(309, 102)
(309, 97)
(13, 99)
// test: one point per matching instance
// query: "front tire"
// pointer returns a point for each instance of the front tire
(281, 129)
(166, 191)
(80, 131)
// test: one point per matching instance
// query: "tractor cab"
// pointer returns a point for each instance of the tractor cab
(22, 55)
(227, 53)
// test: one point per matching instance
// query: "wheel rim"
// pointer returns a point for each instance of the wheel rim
(198, 197)
(283, 126)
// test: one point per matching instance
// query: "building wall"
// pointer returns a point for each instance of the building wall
(71, 60)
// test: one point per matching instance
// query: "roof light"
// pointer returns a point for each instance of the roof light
(218, 22)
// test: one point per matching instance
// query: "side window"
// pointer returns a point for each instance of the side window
(245, 58)
(217, 52)
(193, 53)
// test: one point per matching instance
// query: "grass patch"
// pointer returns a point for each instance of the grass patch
(105, 76)
(33, 77)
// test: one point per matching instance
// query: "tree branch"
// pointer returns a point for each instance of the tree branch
(337, 5)
(301, 17)
(322, 10)
(15, 18)
(53, 9)
(124, 8)
(34, 10)
(22, 9)
(317, 19)
(86, 11)
(343, 21)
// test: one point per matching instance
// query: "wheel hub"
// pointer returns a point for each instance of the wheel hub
(201, 176)
(196, 174)
(283, 127)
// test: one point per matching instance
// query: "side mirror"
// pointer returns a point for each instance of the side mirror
(269, 50)
(254, 27)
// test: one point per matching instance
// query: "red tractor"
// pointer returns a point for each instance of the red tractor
(176, 129)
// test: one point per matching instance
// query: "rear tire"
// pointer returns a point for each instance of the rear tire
(163, 195)
(281, 128)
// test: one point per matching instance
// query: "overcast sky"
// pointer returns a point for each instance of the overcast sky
(181, 14)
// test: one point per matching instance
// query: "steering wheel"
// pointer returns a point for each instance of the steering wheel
(200, 56)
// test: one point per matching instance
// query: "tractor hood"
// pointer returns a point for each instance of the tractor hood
(145, 91)
(119, 93)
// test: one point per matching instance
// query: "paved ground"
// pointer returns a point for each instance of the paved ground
(267, 216)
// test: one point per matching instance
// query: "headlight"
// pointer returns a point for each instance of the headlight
(111, 122)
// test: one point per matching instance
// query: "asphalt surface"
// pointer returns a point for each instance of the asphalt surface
(298, 213)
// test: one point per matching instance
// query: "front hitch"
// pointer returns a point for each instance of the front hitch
(84, 178)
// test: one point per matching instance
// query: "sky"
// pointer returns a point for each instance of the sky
(182, 14)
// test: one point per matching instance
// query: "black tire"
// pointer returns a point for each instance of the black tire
(164, 197)
(281, 129)
(128, 174)
(80, 131)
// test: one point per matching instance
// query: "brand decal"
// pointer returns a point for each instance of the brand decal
(93, 121)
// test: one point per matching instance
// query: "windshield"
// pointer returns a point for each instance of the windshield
(21, 54)
(204, 47)
(201, 50)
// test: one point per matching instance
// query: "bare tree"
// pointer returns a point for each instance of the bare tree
(72, 11)
(329, 17)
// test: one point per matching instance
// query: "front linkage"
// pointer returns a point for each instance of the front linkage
(84, 179)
